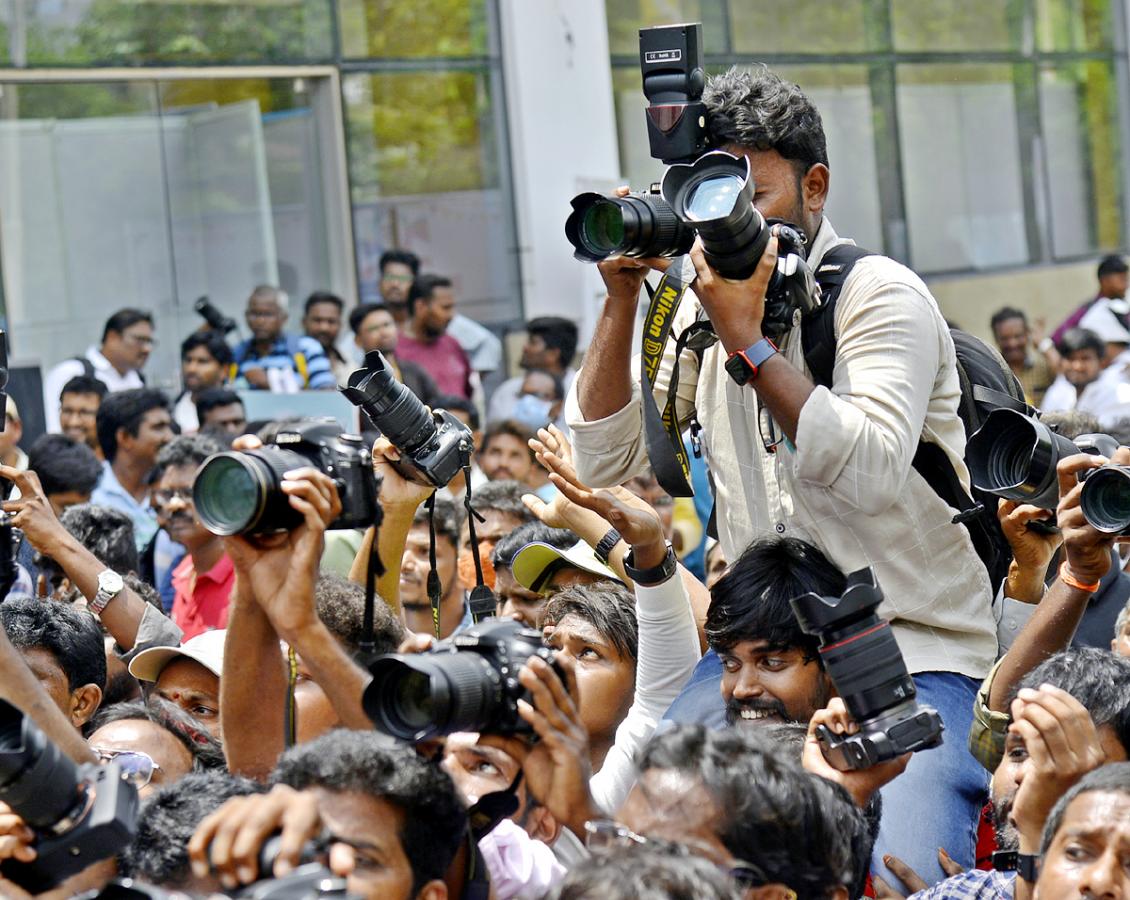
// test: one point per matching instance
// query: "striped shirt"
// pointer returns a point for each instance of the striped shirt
(301, 356)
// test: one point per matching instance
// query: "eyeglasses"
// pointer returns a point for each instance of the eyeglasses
(137, 767)
(164, 498)
(606, 834)
(140, 340)
(404, 279)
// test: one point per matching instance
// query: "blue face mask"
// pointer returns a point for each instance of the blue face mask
(532, 411)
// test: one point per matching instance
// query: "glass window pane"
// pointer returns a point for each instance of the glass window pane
(1065, 25)
(1079, 115)
(426, 176)
(382, 28)
(816, 26)
(133, 32)
(964, 206)
(627, 17)
(842, 94)
(960, 25)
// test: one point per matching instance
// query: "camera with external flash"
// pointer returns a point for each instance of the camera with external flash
(434, 445)
(708, 194)
(240, 492)
(865, 664)
(466, 683)
(80, 814)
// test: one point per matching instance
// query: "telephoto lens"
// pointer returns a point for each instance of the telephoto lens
(638, 225)
(467, 683)
(434, 445)
(714, 195)
(865, 664)
(241, 492)
(1015, 456)
(1105, 499)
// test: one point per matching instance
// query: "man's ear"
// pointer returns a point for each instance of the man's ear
(124, 438)
(85, 701)
(542, 826)
(814, 187)
(433, 890)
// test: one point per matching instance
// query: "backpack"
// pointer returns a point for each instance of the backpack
(987, 383)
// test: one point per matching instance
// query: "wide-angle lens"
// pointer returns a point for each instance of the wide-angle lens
(603, 227)
(713, 198)
(228, 493)
(410, 699)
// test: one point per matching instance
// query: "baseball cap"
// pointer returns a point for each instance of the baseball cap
(206, 649)
(535, 563)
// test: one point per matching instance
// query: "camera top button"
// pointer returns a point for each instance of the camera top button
(780, 526)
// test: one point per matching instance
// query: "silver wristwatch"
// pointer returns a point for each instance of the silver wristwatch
(110, 584)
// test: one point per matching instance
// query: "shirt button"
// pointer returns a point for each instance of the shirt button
(780, 528)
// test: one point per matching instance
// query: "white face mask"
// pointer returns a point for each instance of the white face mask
(532, 411)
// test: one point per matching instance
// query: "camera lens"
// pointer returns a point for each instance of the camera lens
(37, 781)
(1106, 499)
(1015, 456)
(603, 227)
(240, 493)
(639, 225)
(713, 197)
(419, 697)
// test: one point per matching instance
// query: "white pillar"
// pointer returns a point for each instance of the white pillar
(562, 140)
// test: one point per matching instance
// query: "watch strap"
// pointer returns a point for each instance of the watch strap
(103, 597)
(754, 357)
(656, 574)
(606, 544)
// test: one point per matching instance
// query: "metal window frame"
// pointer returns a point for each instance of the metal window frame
(1026, 61)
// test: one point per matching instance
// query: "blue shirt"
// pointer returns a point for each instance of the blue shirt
(299, 354)
(700, 701)
(111, 493)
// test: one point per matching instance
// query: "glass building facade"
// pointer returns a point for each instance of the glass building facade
(154, 151)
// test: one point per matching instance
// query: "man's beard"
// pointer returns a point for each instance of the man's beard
(1005, 831)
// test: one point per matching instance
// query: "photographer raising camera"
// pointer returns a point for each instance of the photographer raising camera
(825, 456)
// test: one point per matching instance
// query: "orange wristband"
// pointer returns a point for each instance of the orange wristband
(1067, 578)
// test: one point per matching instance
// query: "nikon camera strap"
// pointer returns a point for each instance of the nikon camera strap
(664, 439)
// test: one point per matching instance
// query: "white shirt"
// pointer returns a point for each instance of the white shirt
(848, 486)
(1100, 319)
(58, 377)
(1107, 398)
(666, 654)
(184, 414)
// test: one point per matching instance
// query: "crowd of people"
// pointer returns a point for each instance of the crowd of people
(669, 730)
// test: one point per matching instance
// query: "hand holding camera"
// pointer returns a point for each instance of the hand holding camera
(1086, 549)
(736, 308)
(1032, 549)
(860, 783)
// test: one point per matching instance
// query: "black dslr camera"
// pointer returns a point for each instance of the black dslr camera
(466, 683)
(216, 320)
(80, 814)
(241, 493)
(867, 668)
(434, 445)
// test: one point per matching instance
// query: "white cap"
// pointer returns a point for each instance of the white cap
(206, 649)
(534, 561)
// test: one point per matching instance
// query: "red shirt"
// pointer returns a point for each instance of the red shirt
(443, 359)
(200, 602)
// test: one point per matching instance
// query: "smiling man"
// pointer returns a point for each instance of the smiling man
(771, 671)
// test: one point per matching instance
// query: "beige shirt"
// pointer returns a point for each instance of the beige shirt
(848, 486)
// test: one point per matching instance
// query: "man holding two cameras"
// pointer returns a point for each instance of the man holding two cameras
(830, 466)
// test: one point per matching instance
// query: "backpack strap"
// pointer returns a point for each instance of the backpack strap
(87, 366)
(818, 332)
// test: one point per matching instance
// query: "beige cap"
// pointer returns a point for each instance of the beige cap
(206, 649)
(534, 562)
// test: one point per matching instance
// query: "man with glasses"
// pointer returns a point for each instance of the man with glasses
(127, 341)
(203, 580)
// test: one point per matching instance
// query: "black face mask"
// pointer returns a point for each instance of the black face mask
(492, 808)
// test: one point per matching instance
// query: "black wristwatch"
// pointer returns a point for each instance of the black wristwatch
(743, 365)
(656, 574)
(1026, 865)
(607, 544)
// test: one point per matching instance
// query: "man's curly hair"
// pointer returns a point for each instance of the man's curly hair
(757, 110)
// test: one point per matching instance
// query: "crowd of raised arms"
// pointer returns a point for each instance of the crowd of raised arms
(828, 674)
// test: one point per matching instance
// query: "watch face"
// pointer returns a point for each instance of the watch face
(739, 369)
(110, 582)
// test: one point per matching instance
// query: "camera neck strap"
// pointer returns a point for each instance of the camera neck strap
(662, 434)
(435, 592)
(482, 602)
(374, 570)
